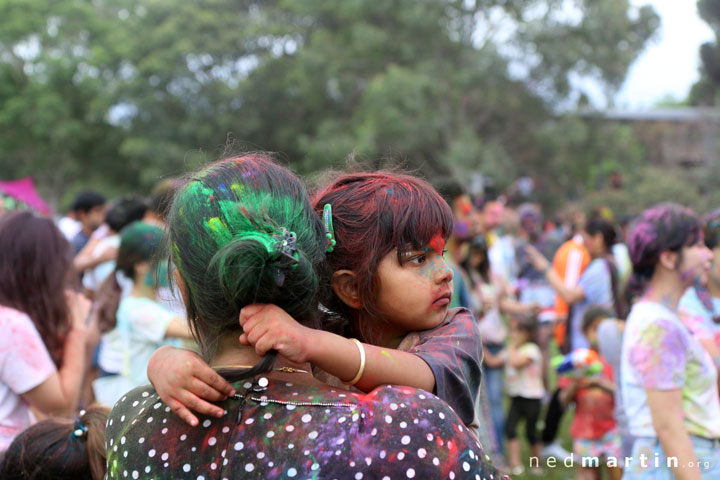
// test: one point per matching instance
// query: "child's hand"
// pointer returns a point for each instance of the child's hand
(185, 382)
(267, 327)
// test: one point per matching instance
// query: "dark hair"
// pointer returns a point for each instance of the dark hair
(664, 227)
(36, 266)
(449, 189)
(478, 244)
(51, 450)
(139, 242)
(592, 314)
(162, 195)
(373, 214)
(87, 200)
(242, 231)
(124, 212)
(604, 227)
(712, 229)
(527, 323)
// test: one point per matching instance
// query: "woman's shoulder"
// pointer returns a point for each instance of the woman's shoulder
(390, 430)
(11, 316)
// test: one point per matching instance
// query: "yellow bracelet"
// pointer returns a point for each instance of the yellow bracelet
(361, 370)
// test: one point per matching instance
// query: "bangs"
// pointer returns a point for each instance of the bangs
(411, 214)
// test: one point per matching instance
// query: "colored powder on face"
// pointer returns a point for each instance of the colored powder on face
(437, 243)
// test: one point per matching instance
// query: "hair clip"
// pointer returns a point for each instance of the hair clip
(329, 232)
(79, 429)
(285, 244)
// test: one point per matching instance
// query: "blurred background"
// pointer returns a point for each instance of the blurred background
(605, 102)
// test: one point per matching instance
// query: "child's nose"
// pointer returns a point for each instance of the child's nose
(444, 273)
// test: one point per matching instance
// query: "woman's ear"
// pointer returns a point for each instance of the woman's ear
(345, 287)
(180, 282)
(669, 260)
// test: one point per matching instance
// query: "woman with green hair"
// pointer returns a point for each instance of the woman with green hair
(242, 231)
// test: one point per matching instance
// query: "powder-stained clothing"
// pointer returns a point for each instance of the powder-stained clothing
(453, 350)
(24, 364)
(281, 430)
(527, 381)
(660, 353)
(594, 410)
(698, 318)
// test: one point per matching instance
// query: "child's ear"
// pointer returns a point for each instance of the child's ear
(344, 285)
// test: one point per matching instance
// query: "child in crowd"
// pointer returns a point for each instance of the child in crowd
(523, 377)
(59, 449)
(390, 287)
(594, 428)
(136, 324)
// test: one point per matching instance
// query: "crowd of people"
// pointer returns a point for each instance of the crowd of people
(378, 327)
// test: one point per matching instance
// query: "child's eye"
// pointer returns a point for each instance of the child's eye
(418, 259)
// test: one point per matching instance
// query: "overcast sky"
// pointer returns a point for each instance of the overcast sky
(669, 66)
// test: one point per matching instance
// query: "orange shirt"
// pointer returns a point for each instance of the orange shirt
(570, 261)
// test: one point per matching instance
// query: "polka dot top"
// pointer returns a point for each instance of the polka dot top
(280, 430)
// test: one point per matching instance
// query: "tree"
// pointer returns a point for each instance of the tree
(445, 86)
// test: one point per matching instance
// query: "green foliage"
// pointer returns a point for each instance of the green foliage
(120, 93)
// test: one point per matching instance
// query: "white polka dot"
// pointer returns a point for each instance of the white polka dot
(136, 474)
(267, 416)
(213, 466)
(135, 403)
(249, 467)
(261, 455)
(125, 454)
(249, 421)
(466, 466)
(166, 464)
(147, 469)
(374, 432)
(382, 454)
(352, 464)
(193, 449)
(247, 384)
(403, 425)
(313, 435)
(421, 396)
(222, 454)
(183, 437)
(212, 441)
(263, 382)
(207, 423)
(315, 466)
(291, 446)
(386, 478)
(151, 453)
(271, 464)
(292, 472)
(410, 473)
(358, 476)
(441, 415)
(368, 461)
(122, 440)
(342, 420)
(270, 434)
(290, 407)
(164, 456)
(186, 467)
(145, 394)
(400, 456)
(164, 431)
(140, 440)
(452, 475)
(239, 446)
(306, 418)
(200, 477)
(226, 429)
(289, 428)
(388, 419)
(436, 462)
(393, 406)
(355, 417)
(405, 440)
(340, 441)
(429, 437)
(149, 420)
(422, 453)
(157, 405)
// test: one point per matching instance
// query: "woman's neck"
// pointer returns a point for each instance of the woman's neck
(231, 354)
(665, 290)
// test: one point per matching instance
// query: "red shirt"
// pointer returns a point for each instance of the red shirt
(594, 410)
